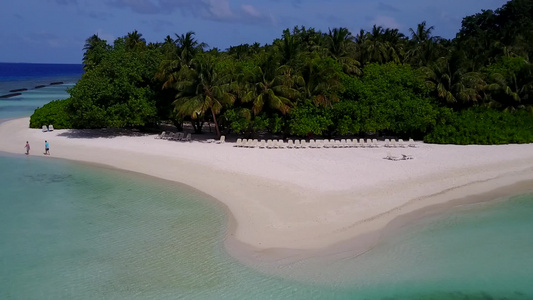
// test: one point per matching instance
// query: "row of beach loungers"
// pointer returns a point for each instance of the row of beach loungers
(343, 143)
(175, 136)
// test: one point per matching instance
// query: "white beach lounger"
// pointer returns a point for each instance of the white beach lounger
(362, 143)
(238, 143)
(290, 144)
(312, 144)
(297, 144)
(349, 143)
(390, 157)
(45, 129)
(412, 143)
(369, 143)
(407, 157)
(262, 144)
(252, 143)
(355, 144)
(387, 143)
(222, 139)
(303, 144)
(343, 143)
(270, 144)
(375, 143)
(187, 138)
(281, 144)
(50, 127)
(275, 144)
(393, 143)
(171, 136)
(401, 143)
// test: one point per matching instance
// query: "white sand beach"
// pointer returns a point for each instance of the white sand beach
(295, 198)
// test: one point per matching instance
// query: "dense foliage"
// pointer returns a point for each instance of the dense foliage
(484, 127)
(312, 83)
(54, 113)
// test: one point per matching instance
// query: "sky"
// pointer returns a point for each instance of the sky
(54, 31)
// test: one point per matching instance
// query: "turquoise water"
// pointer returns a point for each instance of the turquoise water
(25, 104)
(477, 251)
(75, 232)
(72, 231)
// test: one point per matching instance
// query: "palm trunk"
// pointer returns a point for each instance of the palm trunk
(215, 121)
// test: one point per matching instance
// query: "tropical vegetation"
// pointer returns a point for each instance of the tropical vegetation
(474, 88)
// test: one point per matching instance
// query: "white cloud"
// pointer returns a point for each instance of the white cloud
(250, 10)
(220, 9)
(385, 22)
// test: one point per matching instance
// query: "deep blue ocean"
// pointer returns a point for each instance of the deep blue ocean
(23, 72)
(73, 231)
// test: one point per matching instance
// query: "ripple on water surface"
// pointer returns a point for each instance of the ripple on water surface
(69, 231)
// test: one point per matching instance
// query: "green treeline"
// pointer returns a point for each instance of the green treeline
(475, 88)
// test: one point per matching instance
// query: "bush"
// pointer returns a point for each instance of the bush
(53, 113)
(484, 127)
(308, 119)
(388, 98)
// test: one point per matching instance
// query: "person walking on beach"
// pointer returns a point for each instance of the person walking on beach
(27, 147)
(46, 148)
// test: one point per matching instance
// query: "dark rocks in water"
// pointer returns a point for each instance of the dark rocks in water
(56, 83)
(10, 95)
(40, 86)
(18, 90)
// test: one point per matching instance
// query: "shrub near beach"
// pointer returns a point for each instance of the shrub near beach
(484, 127)
(54, 113)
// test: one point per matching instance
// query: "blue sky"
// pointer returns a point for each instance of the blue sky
(54, 31)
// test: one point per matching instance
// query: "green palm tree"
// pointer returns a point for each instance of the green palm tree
(188, 47)
(341, 47)
(511, 83)
(424, 48)
(134, 41)
(321, 80)
(204, 89)
(289, 48)
(422, 33)
(271, 87)
(373, 47)
(179, 53)
(339, 41)
(95, 49)
(452, 83)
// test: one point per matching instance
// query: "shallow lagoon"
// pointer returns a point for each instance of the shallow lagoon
(75, 231)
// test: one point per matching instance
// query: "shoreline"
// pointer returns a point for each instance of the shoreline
(292, 203)
(270, 260)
